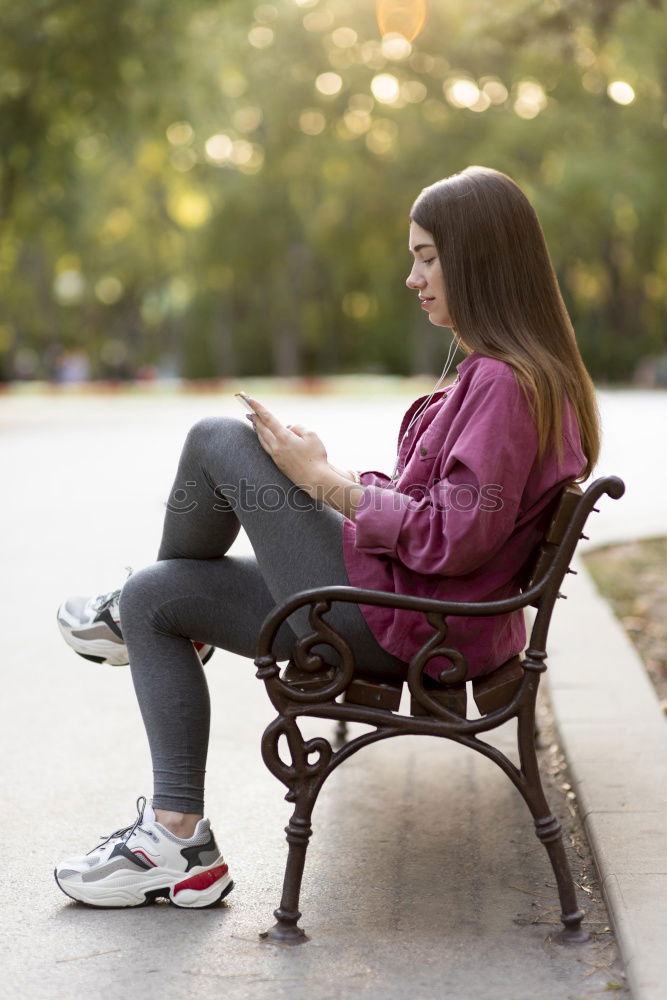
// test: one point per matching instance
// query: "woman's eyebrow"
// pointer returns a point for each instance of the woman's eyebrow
(420, 246)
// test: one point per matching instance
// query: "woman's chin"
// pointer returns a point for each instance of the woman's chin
(439, 320)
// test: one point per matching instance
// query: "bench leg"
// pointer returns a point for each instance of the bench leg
(303, 777)
(299, 830)
(548, 830)
(341, 733)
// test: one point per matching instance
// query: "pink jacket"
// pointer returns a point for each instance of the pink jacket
(466, 510)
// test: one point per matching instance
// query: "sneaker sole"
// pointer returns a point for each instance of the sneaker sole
(103, 651)
(97, 650)
(145, 891)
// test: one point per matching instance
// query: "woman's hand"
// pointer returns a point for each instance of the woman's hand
(298, 452)
(302, 457)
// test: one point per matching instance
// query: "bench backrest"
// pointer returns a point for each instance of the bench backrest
(541, 561)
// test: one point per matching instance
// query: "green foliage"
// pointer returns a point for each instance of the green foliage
(180, 186)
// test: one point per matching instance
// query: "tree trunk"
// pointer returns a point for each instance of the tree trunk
(221, 340)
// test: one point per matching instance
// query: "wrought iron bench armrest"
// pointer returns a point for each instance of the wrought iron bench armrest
(540, 593)
(550, 581)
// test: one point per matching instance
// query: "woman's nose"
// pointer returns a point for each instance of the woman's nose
(414, 280)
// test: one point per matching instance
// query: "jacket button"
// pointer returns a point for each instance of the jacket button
(423, 451)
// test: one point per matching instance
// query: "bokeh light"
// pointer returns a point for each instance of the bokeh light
(218, 148)
(356, 305)
(180, 133)
(530, 99)
(248, 118)
(190, 208)
(108, 289)
(357, 122)
(312, 121)
(241, 152)
(461, 92)
(329, 83)
(260, 36)
(344, 38)
(371, 54)
(69, 286)
(117, 225)
(494, 89)
(382, 137)
(318, 20)
(254, 162)
(385, 88)
(621, 92)
(396, 47)
(266, 13)
(482, 103)
(232, 82)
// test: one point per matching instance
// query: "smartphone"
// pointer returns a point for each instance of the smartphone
(244, 402)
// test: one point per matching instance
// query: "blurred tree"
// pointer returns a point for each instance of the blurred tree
(78, 87)
(217, 189)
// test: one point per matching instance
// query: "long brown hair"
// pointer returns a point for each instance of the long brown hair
(504, 299)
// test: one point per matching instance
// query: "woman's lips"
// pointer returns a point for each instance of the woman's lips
(425, 302)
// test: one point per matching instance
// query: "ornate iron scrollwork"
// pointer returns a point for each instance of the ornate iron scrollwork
(322, 634)
(456, 674)
(300, 771)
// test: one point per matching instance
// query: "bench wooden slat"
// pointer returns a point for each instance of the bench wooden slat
(495, 690)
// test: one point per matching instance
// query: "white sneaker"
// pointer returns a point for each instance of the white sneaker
(91, 626)
(136, 865)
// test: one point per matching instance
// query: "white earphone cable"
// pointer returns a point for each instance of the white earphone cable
(422, 409)
(443, 375)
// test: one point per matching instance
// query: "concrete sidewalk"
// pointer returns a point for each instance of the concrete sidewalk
(607, 713)
(615, 740)
(436, 887)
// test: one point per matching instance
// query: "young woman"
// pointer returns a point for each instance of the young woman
(478, 466)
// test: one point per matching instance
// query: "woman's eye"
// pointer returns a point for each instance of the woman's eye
(429, 261)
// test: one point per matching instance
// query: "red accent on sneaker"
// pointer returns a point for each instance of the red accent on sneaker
(145, 857)
(203, 880)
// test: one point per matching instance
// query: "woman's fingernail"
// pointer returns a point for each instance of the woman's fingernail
(250, 417)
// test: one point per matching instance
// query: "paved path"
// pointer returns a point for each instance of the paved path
(436, 888)
(608, 716)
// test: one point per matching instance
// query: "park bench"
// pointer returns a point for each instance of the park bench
(310, 687)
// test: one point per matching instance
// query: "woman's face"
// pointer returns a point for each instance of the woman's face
(426, 276)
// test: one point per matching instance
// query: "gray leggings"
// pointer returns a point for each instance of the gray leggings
(225, 481)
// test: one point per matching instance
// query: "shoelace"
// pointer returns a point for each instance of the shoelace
(125, 832)
(106, 600)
